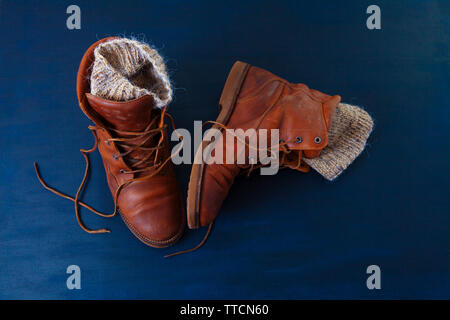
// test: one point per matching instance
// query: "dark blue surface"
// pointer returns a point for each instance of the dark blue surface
(287, 236)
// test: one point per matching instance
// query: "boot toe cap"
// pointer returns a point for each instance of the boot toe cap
(153, 211)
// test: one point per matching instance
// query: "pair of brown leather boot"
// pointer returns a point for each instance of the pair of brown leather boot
(122, 86)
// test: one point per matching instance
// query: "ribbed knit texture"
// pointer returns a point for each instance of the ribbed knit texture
(349, 130)
(126, 69)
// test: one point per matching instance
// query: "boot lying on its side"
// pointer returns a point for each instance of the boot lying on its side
(315, 130)
(122, 86)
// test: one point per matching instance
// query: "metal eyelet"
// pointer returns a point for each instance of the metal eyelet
(298, 139)
(122, 171)
(108, 142)
(115, 157)
(317, 140)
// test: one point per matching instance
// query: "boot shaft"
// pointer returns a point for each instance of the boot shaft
(302, 115)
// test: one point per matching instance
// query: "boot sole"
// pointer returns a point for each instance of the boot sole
(227, 103)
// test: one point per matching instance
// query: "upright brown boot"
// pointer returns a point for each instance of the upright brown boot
(123, 88)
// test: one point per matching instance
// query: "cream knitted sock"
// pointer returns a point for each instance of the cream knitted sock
(349, 130)
(126, 69)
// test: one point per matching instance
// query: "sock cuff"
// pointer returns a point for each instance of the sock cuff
(126, 69)
(350, 128)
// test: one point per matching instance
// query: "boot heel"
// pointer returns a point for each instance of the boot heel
(227, 101)
(231, 90)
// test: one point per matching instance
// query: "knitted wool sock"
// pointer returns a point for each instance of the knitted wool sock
(126, 69)
(349, 130)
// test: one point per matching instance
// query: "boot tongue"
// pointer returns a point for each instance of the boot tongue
(133, 115)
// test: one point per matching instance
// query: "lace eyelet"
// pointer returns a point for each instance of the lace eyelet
(317, 140)
(298, 139)
(115, 157)
(122, 171)
(108, 142)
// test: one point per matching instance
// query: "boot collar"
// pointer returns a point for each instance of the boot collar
(133, 115)
(305, 121)
(83, 86)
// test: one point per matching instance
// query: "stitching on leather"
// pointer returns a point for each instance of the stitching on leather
(148, 240)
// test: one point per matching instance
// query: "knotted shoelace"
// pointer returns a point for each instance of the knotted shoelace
(151, 162)
(138, 164)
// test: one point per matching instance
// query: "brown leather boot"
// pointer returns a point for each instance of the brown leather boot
(256, 99)
(132, 139)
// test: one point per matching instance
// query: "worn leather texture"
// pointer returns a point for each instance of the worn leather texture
(288, 236)
(266, 101)
(151, 206)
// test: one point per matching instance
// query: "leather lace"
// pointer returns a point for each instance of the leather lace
(248, 169)
(283, 150)
(138, 164)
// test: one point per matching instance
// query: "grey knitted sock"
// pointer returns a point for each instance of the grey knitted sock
(126, 69)
(349, 130)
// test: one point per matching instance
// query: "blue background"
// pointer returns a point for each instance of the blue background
(288, 236)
